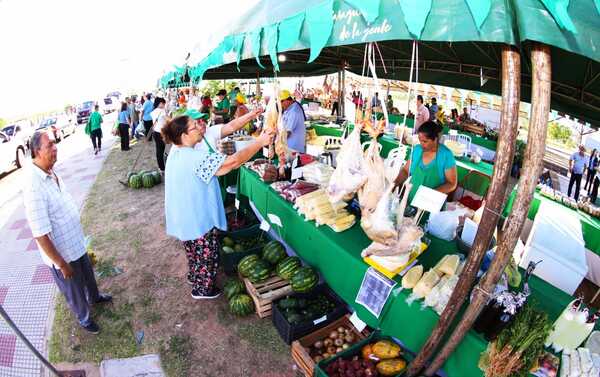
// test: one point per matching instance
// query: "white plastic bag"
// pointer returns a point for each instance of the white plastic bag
(443, 224)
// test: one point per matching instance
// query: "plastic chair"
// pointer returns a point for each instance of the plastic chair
(464, 139)
(393, 163)
(473, 182)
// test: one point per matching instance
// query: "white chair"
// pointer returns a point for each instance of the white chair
(466, 140)
(393, 163)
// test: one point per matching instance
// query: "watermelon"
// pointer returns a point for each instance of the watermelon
(129, 175)
(304, 279)
(260, 272)
(156, 177)
(286, 268)
(241, 304)
(247, 263)
(135, 181)
(147, 180)
(142, 172)
(233, 287)
(274, 252)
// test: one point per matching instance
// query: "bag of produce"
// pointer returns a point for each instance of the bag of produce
(349, 174)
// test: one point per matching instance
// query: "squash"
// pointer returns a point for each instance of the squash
(385, 349)
(391, 367)
(426, 284)
(367, 353)
(412, 277)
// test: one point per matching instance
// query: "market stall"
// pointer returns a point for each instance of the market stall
(337, 256)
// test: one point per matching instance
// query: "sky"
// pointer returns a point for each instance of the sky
(57, 52)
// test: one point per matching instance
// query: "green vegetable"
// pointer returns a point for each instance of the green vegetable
(227, 250)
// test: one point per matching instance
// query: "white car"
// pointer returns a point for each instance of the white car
(12, 152)
(59, 126)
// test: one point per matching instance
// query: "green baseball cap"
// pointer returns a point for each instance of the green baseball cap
(195, 114)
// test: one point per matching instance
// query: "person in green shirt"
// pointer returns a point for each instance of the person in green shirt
(222, 106)
(94, 129)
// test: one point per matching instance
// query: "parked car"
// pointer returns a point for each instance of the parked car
(59, 126)
(84, 111)
(110, 104)
(22, 130)
(12, 152)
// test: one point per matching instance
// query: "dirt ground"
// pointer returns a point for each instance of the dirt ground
(153, 311)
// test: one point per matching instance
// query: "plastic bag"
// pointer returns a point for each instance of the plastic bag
(443, 224)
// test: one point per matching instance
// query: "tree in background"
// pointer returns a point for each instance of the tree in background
(558, 132)
(211, 87)
(2, 123)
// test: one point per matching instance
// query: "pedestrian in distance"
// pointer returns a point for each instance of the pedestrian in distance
(147, 108)
(159, 119)
(53, 218)
(133, 113)
(592, 165)
(124, 123)
(577, 164)
(93, 128)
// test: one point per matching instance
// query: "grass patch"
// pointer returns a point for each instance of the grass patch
(70, 343)
(175, 355)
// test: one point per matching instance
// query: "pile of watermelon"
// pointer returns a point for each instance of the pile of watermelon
(274, 259)
(144, 178)
(240, 303)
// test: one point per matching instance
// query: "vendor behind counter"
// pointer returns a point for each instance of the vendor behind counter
(431, 164)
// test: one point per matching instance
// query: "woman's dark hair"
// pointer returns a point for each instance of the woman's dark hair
(430, 129)
(222, 92)
(158, 101)
(593, 152)
(173, 130)
(123, 106)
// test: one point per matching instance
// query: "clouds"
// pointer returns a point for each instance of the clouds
(64, 51)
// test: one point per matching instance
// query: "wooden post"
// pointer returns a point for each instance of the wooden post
(343, 102)
(509, 123)
(536, 141)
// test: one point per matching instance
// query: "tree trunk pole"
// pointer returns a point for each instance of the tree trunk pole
(511, 78)
(534, 153)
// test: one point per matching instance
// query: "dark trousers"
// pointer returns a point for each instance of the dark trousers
(589, 181)
(594, 194)
(133, 127)
(335, 108)
(147, 127)
(80, 291)
(124, 133)
(96, 136)
(160, 150)
(575, 178)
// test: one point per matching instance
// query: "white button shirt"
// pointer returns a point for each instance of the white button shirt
(51, 210)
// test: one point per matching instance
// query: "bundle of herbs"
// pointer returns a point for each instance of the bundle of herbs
(518, 347)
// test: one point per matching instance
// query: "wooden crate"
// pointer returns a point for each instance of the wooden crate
(301, 346)
(263, 294)
(474, 128)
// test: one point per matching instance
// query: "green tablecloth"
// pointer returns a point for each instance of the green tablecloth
(463, 165)
(590, 226)
(337, 257)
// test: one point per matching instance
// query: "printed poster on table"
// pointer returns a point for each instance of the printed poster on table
(374, 291)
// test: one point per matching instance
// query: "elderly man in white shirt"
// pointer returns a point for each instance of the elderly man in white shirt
(54, 220)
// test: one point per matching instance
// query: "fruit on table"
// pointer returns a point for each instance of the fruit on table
(241, 304)
(274, 252)
(135, 181)
(412, 277)
(260, 272)
(426, 283)
(353, 367)
(233, 287)
(447, 265)
(304, 279)
(247, 263)
(385, 349)
(147, 180)
(286, 268)
(391, 367)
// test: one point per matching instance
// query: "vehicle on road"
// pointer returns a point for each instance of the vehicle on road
(84, 111)
(12, 152)
(58, 126)
(111, 104)
(21, 129)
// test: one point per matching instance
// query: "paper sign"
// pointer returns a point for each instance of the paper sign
(274, 219)
(428, 200)
(296, 173)
(265, 226)
(357, 322)
(469, 231)
(374, 291)
(452, 132)
(237, 203)
(319, 320)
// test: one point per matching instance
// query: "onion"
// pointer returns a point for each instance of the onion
(331, 350)
(345, 346)
(338, 342)
(328, 342)
(349, 338)
(333, 335)
(341, 329)
(326, 355)
(338, 350)
(318, 344)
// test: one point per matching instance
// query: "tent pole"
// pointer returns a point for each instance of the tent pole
(511, 74)
(258, 84)
(343, 100)
(541, 69)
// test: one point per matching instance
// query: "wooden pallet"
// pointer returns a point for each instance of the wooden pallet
(263, 294)
(300, 347)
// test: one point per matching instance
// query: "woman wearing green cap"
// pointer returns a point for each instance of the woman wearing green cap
(193, 203)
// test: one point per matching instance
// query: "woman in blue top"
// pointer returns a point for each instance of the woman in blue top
(193, 203)
(432, 164)
(124, 122)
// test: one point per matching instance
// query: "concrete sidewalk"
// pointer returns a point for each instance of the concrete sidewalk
(27, 289)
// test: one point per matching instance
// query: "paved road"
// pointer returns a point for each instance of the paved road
(27, 290)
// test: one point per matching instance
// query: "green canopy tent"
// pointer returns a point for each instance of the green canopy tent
(459, 43)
